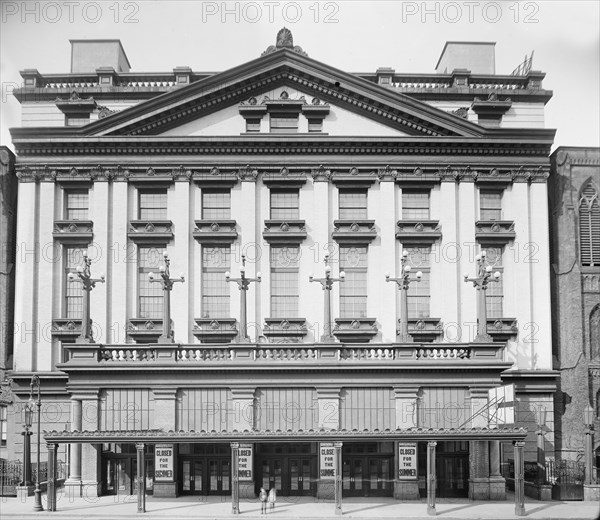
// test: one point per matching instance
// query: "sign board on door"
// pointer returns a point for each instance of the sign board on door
(245, 462)
(163, 463)
(407, 461)
(327, 461)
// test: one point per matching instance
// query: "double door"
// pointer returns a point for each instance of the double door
(290, 476)
(452, 475)
(119, 476)
(205, 476)
(367, 476)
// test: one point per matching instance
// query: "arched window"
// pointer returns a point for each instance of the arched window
(595, 333)
(589, 226)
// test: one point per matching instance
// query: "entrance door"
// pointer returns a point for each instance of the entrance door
(118, 476)
(289, 476)
(367, 476)
(219, 476)
(192, 476)
(205, 476)
(452, 473)
(299, 477)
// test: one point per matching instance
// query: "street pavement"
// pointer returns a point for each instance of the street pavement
(305, 508)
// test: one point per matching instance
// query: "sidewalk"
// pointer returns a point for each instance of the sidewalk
(125, 507)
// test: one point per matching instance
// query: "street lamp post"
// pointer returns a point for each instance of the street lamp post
(26, 481)
(588, 417)
(243, 284)
(84, 276)
(484, 276)
(403, 282)
(167, 285)
(327, 284)
(35, 386)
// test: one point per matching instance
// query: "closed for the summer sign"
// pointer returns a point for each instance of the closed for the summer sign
(327, 452)
(407, 461)
(163, 463)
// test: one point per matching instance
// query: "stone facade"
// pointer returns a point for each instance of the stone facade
(575, 295)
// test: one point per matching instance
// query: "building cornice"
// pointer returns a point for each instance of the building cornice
(64, 173)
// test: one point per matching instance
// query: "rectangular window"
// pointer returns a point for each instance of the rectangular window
(353, 204)
(495, 290)
(77, 120)
(216, 261)
(353, 292)
(3, 423)
(72, 290)
(284, 281)
(315, 125)
(284, 123)
(284, 204)
(76, 204)
(150, 295)
(216, 204)
(153, 205)
(490, 205)
(252, 125)
(419, 293)
(415, 205)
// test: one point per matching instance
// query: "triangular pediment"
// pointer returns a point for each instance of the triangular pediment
(212, 106)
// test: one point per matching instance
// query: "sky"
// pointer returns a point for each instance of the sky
(354, 35)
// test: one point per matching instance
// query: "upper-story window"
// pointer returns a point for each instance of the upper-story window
(415, 205)
(76, 204)
(77, 119)
(353, 292)
(495, 290)
(284, 123)
(150, 295)
(284, 281)
(216, 261)
(419, 293)
(252, 125)
(73, 294)
(153, 205)
(216, 204)
(315, 125)
(353, 204)
(490, 205)
(285, 204)
(589, 227)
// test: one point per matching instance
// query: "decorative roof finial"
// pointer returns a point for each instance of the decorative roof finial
(285, 40)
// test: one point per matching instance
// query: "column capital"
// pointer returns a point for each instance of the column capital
(85, 395)
(338, 444)
(519, 444)
(431, 444)
(406, 391)
(164, 393)
(235, 445)
(139, 446)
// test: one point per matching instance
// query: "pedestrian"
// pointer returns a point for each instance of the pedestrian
(272, 498)
(263, 500)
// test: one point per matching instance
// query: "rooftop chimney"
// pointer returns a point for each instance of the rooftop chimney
(477, 57)
(90, 55)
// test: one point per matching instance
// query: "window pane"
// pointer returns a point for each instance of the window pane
(153, 205)
(216, 204)
(284, 123)
(284, 204)
(353, 204)
(415, 205)
(284, 281)
(216, 261)
(490, 203)
(150, 295)
(494, 294)
(3, 422)
(353, 292)
(73, 290)
(76, 205)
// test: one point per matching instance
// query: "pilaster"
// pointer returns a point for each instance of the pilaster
(329, 408)
(406, 407)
